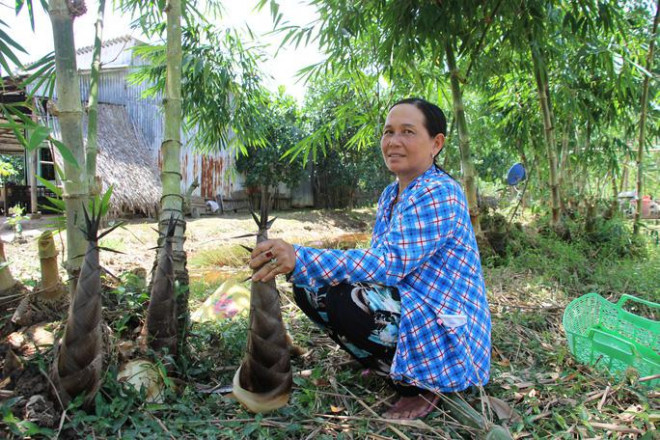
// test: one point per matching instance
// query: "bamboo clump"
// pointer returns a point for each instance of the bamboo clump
(263, 381)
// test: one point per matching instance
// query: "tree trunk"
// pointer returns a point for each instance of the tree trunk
(69, 109)
(469, 174)
(583, 173)
(642, 122)
(540, 75)
(624, 177)
(172, 200)
(614, 202)
(93, 181)
(563, 160)
(524, 161)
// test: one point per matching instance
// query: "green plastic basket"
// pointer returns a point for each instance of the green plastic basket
(608, 336)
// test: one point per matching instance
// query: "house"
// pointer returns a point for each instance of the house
(20, 190)
(130, 133)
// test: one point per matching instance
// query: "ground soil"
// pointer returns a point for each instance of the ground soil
(136, 241)
(137, 238)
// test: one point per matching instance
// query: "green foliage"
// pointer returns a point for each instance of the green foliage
(343, 176)
(126, 304)
(16, 218)
(608, 260)
(221, 86)
(8, 51)
(10, 166)
(614, 239)
(637, 276)
(556, 261)
(343, 145)
(264, 165)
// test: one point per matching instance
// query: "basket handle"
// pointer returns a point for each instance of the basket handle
(613, 346)
(625, 297)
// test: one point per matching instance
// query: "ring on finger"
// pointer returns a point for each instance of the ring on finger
(269, 255)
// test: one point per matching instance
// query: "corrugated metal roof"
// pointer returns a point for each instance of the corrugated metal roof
(116, 52)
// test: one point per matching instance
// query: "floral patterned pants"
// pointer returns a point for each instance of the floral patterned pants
(362, 318)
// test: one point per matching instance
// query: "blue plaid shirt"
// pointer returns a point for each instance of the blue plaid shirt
(424, 245)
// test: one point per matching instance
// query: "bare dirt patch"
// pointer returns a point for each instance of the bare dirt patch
(137, 238)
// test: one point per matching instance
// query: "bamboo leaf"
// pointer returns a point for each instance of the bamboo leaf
(5, 51)
(39, 134)
(58, 205)
(105, 201)
(66, 153)
(50, 185)
(8, 40)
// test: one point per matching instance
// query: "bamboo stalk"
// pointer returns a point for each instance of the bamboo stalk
(172, 200)
(467, 165)
(642, 121)
(91, 152)
(69, 111)
(540, 75)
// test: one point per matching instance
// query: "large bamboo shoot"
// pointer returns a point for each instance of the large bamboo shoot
(161, 323)
(263, 381)
(78, 364)
(51, 286)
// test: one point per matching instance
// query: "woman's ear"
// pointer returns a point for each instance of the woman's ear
(438, 143)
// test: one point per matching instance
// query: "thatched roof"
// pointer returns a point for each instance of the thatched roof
(124, 162)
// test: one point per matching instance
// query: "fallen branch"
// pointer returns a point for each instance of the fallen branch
(616, 428)
(652, 377)
(602, 401)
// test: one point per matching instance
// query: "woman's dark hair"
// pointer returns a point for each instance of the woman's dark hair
(434, 120)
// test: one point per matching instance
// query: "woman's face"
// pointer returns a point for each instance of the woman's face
(407, 147)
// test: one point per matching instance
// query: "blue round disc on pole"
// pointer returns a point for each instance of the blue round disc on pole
(516, 174)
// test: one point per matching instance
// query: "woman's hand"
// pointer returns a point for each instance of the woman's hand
(271, 258)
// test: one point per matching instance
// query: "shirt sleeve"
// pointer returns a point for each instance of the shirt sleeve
(419, 228)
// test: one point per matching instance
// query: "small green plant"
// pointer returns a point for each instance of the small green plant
(17, 216)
